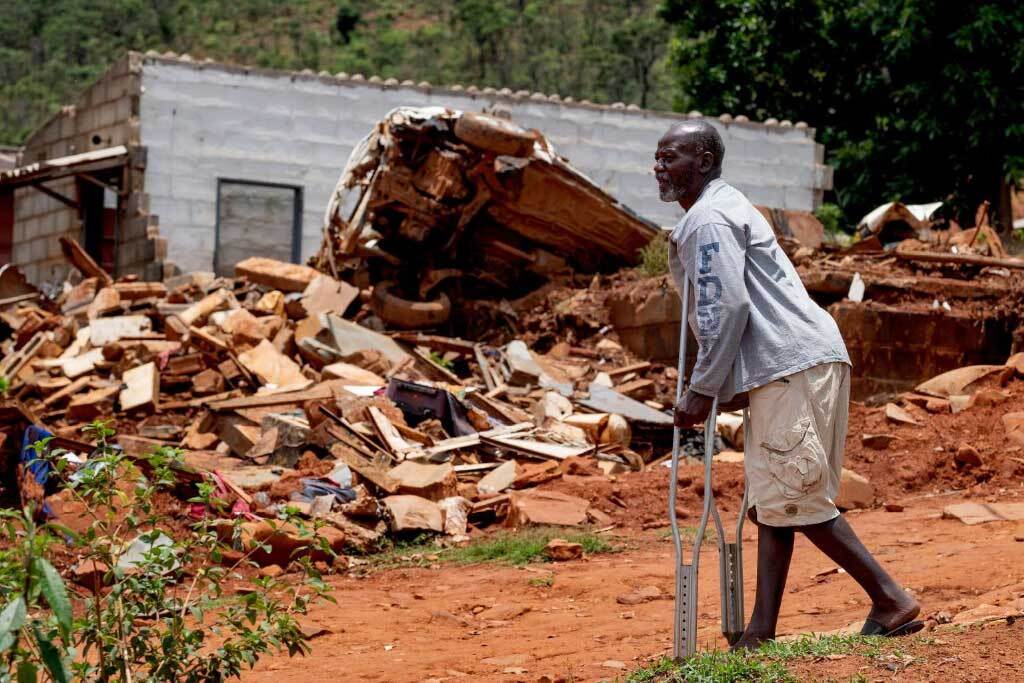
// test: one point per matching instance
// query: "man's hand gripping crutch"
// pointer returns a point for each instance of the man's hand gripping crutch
(730, 555)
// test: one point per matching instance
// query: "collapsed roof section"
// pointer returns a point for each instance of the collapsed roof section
(436, 200)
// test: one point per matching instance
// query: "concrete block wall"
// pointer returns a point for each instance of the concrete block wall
(39, 222)
(203, 121)
(105, 115)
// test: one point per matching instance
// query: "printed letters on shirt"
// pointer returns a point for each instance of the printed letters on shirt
(709, 294)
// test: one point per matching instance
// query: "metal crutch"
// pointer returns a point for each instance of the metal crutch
(730, 554)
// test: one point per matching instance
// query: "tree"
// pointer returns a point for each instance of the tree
(913, 101)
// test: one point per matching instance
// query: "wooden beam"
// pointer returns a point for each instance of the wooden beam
(967, 259)
(56, 195)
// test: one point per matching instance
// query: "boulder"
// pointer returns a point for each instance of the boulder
(967, 456)
(855, 492)
(561, 550)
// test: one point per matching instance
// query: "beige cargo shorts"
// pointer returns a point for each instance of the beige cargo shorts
(794, 446)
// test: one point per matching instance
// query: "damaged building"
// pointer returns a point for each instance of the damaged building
(167, 164)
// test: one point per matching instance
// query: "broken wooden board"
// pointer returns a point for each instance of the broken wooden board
(142, 387)
(352, 374)
(605, 400)
(538, 449)
(80, 259)
(201, 310)
(324, 294)
(287, 277)
(394, 442)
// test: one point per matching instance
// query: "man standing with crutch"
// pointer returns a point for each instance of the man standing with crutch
(763, 342)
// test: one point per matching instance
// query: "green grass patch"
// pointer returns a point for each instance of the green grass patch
(714, 667)
(515, 548)
(767, 663)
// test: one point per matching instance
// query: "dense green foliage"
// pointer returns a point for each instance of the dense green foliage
(604, 50)
(914, 99)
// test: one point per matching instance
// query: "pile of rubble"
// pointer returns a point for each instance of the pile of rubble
(271, 390)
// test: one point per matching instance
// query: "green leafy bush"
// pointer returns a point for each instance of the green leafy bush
(159, 608)
(654, 256)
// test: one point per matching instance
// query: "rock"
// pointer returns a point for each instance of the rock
(432, 482)
(545, 508)
(955, 382)
(878, 442)
(552, 405)
(1013, 426)
(503, 612)
(937, 405)
(959, 403)
(1019, 538)
(855, 492)
(598, 517)
(89, 574)
(498, 479)
(535, 473)
(893, 507)
(456, 516)
(1016, 361)
(989, 612)
(271, 571)
(614, 664)
(561, 550)
(208, 381)
(989, 397)
(286, 542)
(967, 456)
(641, 595)
(899, 415)
(406, 513)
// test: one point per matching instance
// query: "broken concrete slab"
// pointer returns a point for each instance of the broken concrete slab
(412, 513)
(982, 513)
(324, 294)
(432, 482)
(956, 382)
(605, 400)
(499, 479)
(546, 508)
(899, 415)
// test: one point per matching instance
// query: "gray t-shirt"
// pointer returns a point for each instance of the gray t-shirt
(752, 317)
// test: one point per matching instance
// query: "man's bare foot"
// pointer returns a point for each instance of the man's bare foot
(893, 614)
(751, 641)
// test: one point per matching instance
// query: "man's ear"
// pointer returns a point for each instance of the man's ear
(707, 162)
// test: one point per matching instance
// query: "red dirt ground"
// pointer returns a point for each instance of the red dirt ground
(419, 624)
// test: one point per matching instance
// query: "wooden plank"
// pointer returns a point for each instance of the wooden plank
(206, 339)
(287, 277)
(436, 368)
(319, 391)
(142, 387)
(538, 449)
(485, 368)
(626, 369)
(80, 259)
(436, 342)
(132, 291)
(967, 259)
(388, 434)
(470, 440)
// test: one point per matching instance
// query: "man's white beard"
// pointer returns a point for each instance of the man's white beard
(670, 194)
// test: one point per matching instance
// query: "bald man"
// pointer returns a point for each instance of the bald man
(763, 342)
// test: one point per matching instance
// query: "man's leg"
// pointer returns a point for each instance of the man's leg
(891, 605)
(774, 552)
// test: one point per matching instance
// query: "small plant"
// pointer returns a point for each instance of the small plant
(5, 384)
(654, 256)
(442, 361)
(831, 217)
(714, 667)
(157, 609)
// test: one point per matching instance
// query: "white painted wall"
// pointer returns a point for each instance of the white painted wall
(204, 121)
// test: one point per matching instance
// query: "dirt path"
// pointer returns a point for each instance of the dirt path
(418, 624)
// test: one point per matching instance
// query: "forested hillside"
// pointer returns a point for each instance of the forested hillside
(603, 50)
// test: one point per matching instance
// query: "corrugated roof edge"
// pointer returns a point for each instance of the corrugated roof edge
(359, 80)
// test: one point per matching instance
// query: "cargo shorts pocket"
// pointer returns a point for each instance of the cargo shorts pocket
(794, 457)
